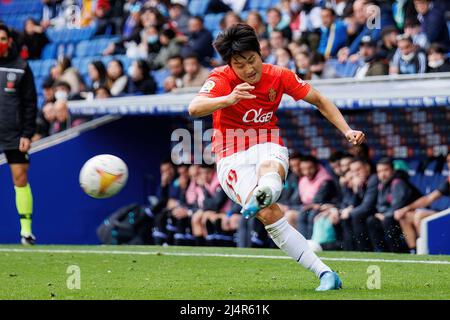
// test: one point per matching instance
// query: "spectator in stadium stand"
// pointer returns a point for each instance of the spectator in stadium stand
(52, 13)
(370, 63)
(59, 110)
(289, 201)
(42, 123)
(176, 221)
(230, 19)
(388, 44)
(178, 17)
(102, 93)
(319, 68)
(170, 46)
(211, 201)
(141, 82)
(265, 50)
(433, 21)
(255, 21)
(394, 192)
(119, 80)
(275, 22)
(360, 151)
(364, 186)
(411, 215)
(63, 71)
(283, 58)
(195, 74)
(95, 12)
(276, 41)
(414, 30)
(129, 29)
(139, 26)
(34, 39)
(437, 59)
(147, 45)
(306, 25)
(98, 75)
(158, 208)
(176, 73)
(333, 34)
(303, 65)
(361, 15)
(316, 188)
(408, 59)
(199, 40)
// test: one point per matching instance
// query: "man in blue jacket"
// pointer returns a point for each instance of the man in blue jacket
(433, 21)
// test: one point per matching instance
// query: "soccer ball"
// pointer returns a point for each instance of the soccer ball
(103, 176)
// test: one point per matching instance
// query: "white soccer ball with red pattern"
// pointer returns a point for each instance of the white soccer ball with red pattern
(103, 176)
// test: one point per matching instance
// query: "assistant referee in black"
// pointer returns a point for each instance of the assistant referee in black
(18, 109)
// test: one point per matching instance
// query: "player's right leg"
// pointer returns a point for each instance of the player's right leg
(288, 239)
(19, 165)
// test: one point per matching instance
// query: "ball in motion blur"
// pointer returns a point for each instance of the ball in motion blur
(103, 176)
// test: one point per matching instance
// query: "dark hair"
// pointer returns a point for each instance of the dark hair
(236, 40)
(363, 160)
(145, 68)
(437, 48)
(199, 18)
(296, 155)
(102, 87)
(61, 83)
(309, 158)
(100, 67)
(169, 33)
(191, 55)
(119, 63)
(176, 56)
(335, 156)
(48, 83)
(6, 29)
(274, 9)
(386, 161)
(330, 9)
(65, 63)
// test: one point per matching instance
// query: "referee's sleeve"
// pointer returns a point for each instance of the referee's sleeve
(29, 103)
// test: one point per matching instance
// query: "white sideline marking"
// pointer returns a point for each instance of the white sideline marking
(223, 255)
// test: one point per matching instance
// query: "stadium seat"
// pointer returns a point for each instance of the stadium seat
(198, 7)
(159, 77)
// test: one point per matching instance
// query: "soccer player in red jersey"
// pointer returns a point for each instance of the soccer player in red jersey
(252, 162)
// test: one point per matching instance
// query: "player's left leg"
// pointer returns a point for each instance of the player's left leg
(288, 239)
(271, 175)
(24, 200)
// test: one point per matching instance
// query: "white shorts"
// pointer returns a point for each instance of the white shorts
(238, 173)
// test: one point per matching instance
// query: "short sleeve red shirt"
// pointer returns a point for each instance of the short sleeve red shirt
(254, 119)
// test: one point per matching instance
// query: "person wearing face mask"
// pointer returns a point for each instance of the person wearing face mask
(141, 82)
(408, 59)
(18, 111)
(437, 60)
(370, 62)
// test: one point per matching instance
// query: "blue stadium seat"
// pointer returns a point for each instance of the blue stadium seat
(49, 51)
(198, 7)
(159, 77)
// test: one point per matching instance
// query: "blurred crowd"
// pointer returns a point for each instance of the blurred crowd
(345, 203)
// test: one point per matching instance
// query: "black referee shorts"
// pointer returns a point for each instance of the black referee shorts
(15, 156)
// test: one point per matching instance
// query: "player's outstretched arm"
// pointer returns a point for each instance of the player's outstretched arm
(202, 106)
(332, 113)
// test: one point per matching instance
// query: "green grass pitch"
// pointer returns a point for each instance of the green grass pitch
(152, 272)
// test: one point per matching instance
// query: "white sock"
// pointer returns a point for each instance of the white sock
(294, 244)
(274, 182)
